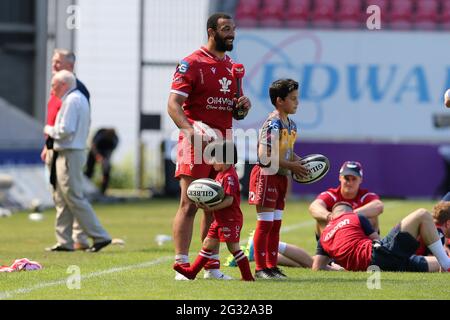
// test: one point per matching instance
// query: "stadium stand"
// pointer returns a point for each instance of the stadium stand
(247, 13)
(426, 15)
(297, 13)
(271, 13)
(323, 14)
(444, 17)
(21, 140)
(349, 14)
(383, 4)
(343, 14)
(19, 131)
(401, 14)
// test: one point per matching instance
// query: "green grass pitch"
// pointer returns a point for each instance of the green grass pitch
(143, 269)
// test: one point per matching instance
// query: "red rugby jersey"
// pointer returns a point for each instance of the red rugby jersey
(207, 83)
(345, 241)
(333, 195)
(230, 183)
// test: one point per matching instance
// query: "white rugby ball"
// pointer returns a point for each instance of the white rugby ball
(317, 166)
(447, 98)
(206, 191)
(202, 129)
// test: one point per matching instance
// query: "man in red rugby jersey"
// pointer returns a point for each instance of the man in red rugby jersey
(203, 89)
(362, 200)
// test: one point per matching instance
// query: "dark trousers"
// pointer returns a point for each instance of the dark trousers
(106, 169)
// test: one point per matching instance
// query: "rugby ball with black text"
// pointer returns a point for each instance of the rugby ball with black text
(317, 166)
(206, 191)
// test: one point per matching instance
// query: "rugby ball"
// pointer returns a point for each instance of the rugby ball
(317, 166)
(447, 98)
(202, 129)
(206, 191)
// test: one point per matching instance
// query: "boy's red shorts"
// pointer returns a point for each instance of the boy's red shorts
(267, 190)
(225, 232)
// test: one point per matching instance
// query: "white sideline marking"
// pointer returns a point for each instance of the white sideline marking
(300, 225)
(10, 294)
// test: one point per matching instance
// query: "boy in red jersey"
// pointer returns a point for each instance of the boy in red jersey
(268, 179)
(351, 241)
(203, 89)
(228, 219)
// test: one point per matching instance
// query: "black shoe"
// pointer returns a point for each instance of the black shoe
(58, 247)
(278, 273)
(96, 247)
(264, 274)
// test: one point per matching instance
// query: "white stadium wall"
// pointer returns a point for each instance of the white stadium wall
(107, 63)
(355, 85)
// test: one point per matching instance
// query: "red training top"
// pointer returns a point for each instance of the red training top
(332, 196)
(230, 183)
(207, 83)
(346, 240)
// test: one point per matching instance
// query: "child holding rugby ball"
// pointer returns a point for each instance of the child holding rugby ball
(228, 219)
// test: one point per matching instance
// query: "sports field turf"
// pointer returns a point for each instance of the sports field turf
(142, 269)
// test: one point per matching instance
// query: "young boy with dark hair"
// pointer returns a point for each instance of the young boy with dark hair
(268, 179)
(228, 218)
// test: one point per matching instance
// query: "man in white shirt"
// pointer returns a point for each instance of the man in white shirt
(70, 134)
(63, 59)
